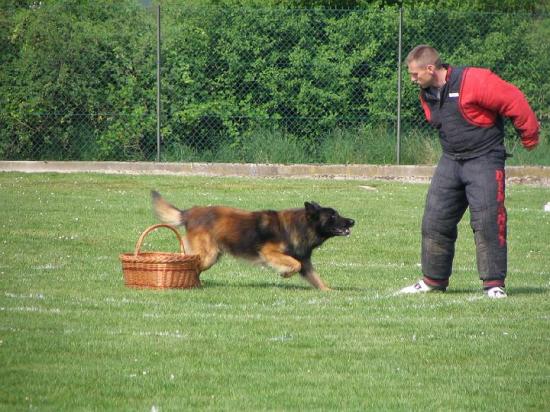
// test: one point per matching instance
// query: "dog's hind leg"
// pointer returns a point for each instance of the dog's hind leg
(203, 245)
(272, 255)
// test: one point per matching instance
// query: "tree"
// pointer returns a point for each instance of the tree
(79, 82)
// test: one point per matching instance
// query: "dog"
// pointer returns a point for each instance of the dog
(283, 240)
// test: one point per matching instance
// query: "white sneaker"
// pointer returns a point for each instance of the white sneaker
(496, 293)
(418, 287)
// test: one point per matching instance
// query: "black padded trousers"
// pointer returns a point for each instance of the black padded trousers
(479, 184)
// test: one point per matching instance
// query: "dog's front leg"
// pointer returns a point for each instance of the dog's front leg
(286, 265)
(311, 276)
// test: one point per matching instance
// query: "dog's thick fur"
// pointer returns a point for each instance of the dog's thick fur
(283, 239)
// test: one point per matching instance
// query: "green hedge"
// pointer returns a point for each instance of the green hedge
(238, 83)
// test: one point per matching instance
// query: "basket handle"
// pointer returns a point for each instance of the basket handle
(154, 227)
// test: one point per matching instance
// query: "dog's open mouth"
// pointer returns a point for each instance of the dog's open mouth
(342, 231)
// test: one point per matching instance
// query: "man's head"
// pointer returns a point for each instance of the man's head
(423, 63)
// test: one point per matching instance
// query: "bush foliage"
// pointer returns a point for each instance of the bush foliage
(261, 82)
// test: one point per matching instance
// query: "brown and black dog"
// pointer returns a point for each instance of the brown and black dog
(282, 239)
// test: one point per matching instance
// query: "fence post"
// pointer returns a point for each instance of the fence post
(158, 83)
(399, 47)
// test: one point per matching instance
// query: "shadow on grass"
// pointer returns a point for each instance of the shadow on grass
(527, 290)
(270, 285)
(277, 285)
(206, 284)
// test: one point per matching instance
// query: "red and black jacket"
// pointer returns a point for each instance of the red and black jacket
(469, 112)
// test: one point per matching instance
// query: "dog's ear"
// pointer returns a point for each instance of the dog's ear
(312, 207)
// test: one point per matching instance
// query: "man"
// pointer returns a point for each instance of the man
(467, 106)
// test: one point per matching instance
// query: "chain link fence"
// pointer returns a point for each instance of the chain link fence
(242, 84)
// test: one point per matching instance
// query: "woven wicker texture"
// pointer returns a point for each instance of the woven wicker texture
(160, 270)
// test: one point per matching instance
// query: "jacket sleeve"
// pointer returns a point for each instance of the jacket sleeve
(426, 108)
(496, 95)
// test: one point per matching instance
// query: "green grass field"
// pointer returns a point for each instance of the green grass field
(73, 337)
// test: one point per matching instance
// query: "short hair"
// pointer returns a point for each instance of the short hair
(424, 55)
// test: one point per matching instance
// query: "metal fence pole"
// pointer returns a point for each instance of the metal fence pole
(400, 41)
(158, 83)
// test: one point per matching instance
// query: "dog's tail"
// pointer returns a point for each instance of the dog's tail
(165, 212)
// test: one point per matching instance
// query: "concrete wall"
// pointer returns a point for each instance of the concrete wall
(538, 175)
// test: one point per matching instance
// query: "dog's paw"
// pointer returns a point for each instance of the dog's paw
(287, 275)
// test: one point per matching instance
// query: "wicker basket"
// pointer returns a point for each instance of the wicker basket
(160, 270)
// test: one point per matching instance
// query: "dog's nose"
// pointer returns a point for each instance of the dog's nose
(351, 222)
